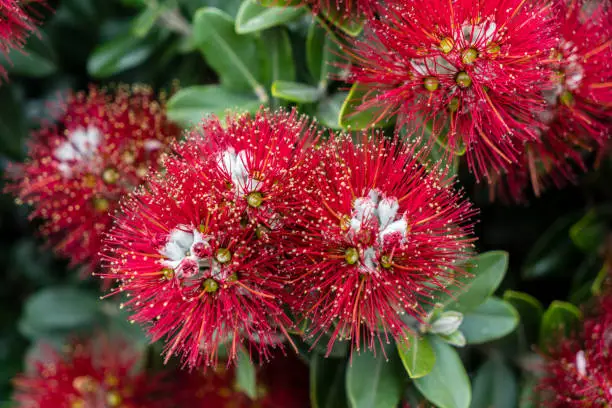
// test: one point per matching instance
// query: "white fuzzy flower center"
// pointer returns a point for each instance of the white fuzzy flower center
(80, 146)
(188, 247)
(236, 165)
(381, 215)
(581, 364)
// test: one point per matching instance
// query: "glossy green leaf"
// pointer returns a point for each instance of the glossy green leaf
(295, 92)
(118, 55)
(372, 381)
(146, 20)
(354, 118)
(278, 3)
(279, 55)
(229, 54)
(491, 320)
(246, 380)
(13, 129)
(253, 17)
(597, 286)
(447, 385)
(417, 355)
(322, 52)
(446, 324)
(351, 26)
(487, 272)
(456, 338)
(589, 233)
(530, 311)
(327, 382)
(328, 110)
(190, 105)
(495, 386)
(559, 320)
(36, 59)
(59, 309)
(529, 396)
(552, 251)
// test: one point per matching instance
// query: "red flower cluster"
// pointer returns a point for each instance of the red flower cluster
(247, 219)
(192, 249)
(579, 370)
(96, 373)
(379, 234)
(472, 68)
(77, 169)
(579, 104)
(16, 23)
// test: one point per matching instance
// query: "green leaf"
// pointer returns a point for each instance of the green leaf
(353, 118)
(530, 311)
(529, 397)
(417, 355)
(35, 60)
(589, 233)
(322, 51)
(279, 55)
(372, 381)
(246, 381)
(597, 286)
(146, 20)
(552, 251)
(352, 26)
(446, 324)
(447, 385)
(491, 320)
(59, 309)
(327, 376)
(559, 320)
(328, 110)
(253, 17)
(488, 270)
(190, 105)
(494, 386)
(229, 54)
(118, 55)
(456, 338)
(278, 3)
(13, 127)
(295, 92)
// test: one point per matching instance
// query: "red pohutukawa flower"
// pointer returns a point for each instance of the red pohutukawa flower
(77, 169)
(97, 373)
(579, 105)
(189, 249)
(254, 162)
(379, 235)
(579, 370)
(16, 23)
(472, 67)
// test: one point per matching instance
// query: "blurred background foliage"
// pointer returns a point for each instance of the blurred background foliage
(223, 54)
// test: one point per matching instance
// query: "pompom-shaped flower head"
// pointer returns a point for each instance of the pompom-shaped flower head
(579, 369)
(254, 162)
(188, 250)
(77, 169)
(16, 23)
(380, 234)
(97, 373)
(472, 67)
(579, 104)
